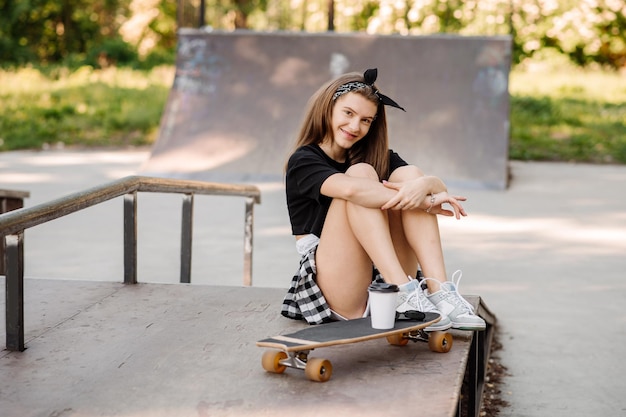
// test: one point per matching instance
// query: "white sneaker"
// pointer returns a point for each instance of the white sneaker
(458, 309)
(411, 297)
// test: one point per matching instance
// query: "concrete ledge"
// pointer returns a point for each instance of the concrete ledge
(108, 349)
(477, 360)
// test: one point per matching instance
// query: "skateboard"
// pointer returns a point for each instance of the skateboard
(292, 350)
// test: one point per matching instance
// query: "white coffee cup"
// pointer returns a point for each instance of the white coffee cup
(383, 298)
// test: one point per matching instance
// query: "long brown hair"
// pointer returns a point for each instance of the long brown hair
(316, 126)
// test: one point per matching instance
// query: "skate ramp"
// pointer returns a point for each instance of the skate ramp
(238, 99)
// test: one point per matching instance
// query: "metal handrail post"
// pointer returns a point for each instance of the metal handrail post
(186, 239)
(14, 294)
(247, 242)
(130, 238)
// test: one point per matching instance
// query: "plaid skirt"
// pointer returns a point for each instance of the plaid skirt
(304, 299)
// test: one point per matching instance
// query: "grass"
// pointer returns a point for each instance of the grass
(561, 114)
(573, 116)
(113, 107)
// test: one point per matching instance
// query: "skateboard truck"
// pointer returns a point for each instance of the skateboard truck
(296, 360)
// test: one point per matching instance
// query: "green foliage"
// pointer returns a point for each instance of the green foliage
(111, 52)
(84, 32)
(584, 32)
(51, 32)
(156, 58)
(162, 28)
(113, 107)
(568, 116)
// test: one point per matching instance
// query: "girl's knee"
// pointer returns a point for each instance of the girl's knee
(362, 170)
(405, 173)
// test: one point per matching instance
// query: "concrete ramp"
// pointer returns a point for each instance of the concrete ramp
(147, 350)
(238, 99)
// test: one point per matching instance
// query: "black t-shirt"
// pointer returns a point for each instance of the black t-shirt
(307, 170)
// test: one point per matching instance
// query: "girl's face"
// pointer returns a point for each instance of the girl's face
(353, 115)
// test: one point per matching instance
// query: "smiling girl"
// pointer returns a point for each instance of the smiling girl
(360, 212)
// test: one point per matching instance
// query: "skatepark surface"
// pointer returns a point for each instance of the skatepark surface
(547, 256)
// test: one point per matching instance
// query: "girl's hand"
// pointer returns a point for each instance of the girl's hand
(442, 198)
(412, 195)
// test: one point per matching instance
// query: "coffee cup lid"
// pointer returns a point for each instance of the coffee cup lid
(383, 287)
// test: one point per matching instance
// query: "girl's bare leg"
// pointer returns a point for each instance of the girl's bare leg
(422, 234)
(353, 237)
(417, 232)
(416, 236)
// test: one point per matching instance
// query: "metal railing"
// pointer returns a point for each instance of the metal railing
(13, 224)
(10, 200)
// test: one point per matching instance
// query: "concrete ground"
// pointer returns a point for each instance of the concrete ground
(547, 256)
(150, 350)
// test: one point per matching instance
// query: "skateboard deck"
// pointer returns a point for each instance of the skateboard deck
(292, 350)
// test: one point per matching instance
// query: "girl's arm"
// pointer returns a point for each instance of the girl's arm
(366, 192)
(427, 193)
(414, 194)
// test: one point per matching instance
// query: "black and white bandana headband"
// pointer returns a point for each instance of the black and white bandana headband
(370, 77)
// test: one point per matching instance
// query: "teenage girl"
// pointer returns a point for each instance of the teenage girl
(360, 212)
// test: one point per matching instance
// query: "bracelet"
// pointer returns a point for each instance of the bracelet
(432, 202)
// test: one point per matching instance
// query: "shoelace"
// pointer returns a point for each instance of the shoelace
(457, 295)
(415, 294)
(453, 296)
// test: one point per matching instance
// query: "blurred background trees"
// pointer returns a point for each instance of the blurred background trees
(143, 32)
(98, 72)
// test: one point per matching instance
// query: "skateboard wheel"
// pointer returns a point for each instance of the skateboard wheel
(398, 340)
(271, 361)
(318, 370)
(440, 342)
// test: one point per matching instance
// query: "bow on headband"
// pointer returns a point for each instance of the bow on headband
(370, 77)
